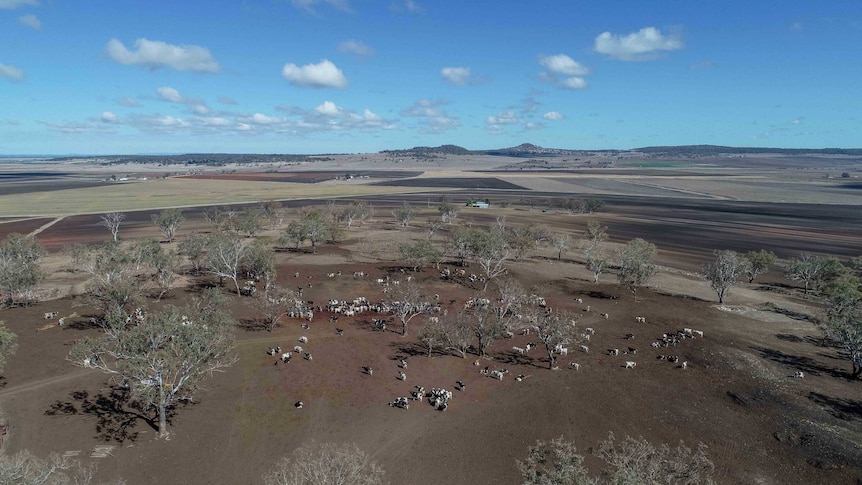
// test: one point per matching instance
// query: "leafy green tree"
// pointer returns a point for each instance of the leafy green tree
(432, 336)
(168, 221)
(356, 211)
(552, 330)
(724, 272)
(164, 358)
(419, 253)
(554, 463)
(636, 265)
(193, 248)
(843, 323)
(759, 262)
(249, 222)
(20, 273)
(404, 214)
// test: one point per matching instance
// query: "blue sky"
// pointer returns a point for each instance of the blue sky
(349, 76)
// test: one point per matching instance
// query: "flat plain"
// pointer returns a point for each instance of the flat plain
(737, 395)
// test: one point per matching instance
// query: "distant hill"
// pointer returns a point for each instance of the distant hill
(429, 151)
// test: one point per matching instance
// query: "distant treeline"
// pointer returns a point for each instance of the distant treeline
(715, 150)
(207, 159)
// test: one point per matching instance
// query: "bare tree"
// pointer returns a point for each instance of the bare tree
(595, 233)
(723, 273)
(759, 262)
(458, 332)
(326, 464)
(112, 221)
(407, 302)
(489, 249)
(596, 262)
(193, 247)
(432, 226)
(165, 265)
(633, 461)
(636, 264)
(448, 212)
(404, 214)
(357, 211)
(554, 463)
(25, 468)
(805, 269)
(553, 329)
(560, 242)
(636, 460)
(273, 211)
(432, 335)
(168, 221)
(459, 244)
(164, 358)
(273, 304)
(225, 256)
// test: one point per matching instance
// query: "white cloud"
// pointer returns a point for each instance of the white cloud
(11, 72)
(170, 94)
(328, 108)
(13, 4)
(31, 21)
(213, 121)
(108, 117)
(796, 121)
(409, 6)
(356, 47)
(201, 109)
(563, 65)
(156, 54)
(127, 102)
(458, 76)
(574, 83)
(553, 115)
(324, 74)
(564, 71)
(227, 100)
(308, 5)
(503, 118)
(642, 45)
(432, 119)
(262, 119)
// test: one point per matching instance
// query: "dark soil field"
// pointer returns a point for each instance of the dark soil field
(760, 425)
(460, 183)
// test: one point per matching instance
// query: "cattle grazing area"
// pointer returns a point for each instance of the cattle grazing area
(442, 367)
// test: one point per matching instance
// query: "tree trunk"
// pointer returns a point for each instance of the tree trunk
(550, 358)
(163, 412)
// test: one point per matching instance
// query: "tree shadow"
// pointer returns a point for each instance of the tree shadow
(408, 349)
(816, 341)
(844, 409)
(117, 413)
(799, 316)
(804, 364)
(599, 295)
(252, 324)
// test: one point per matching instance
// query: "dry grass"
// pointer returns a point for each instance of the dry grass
(179, 192)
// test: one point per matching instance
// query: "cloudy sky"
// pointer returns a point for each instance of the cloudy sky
(347, 76)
